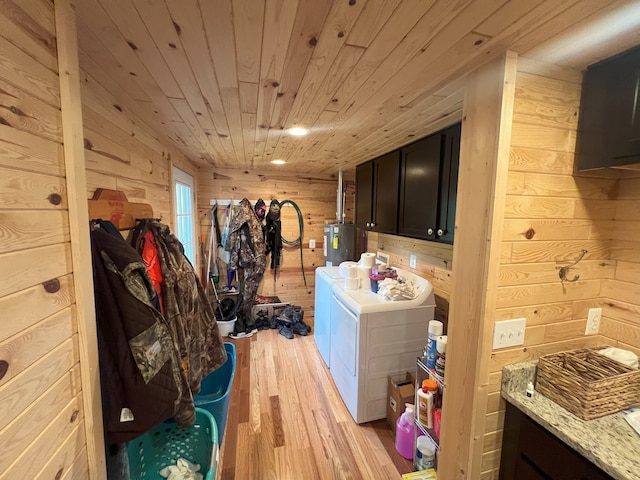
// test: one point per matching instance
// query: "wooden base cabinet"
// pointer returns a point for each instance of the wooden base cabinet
(530, 452)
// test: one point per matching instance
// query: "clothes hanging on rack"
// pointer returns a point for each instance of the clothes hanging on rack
(150, 256)
(273, 234)
(247, 247)
(142, 388)
(187, 311)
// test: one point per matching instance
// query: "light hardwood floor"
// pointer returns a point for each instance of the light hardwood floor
(287, 420)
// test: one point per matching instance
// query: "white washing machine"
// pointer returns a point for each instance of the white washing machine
(325, 278)
(372, 338)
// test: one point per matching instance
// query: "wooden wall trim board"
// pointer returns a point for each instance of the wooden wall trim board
(79, 221)
(484, 156)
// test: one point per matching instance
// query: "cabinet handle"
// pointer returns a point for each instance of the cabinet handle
(373, 225)
(440, 232)
(430, 231)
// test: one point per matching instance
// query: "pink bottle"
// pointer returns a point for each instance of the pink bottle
(405, 433)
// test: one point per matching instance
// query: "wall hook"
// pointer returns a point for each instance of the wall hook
(564, 270)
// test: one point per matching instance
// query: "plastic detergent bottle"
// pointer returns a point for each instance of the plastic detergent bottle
(404, 433)
(426, 402)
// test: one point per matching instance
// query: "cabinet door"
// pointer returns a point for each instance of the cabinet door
(449, 185)
(364, 195)
(386, 177)
(625, 98)
(524, 469)
(609, 128)
(527, 446)
(419, 178)
(594, 131)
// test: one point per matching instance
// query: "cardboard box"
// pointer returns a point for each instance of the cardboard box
(399, 392)
(421, 475)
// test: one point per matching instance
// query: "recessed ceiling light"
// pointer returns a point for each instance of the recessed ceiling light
(298, 131)
(278, 161)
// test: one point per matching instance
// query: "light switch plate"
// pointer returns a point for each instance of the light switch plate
(412, 261)
(509, 333)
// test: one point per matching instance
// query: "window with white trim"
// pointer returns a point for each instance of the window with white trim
(184, 212)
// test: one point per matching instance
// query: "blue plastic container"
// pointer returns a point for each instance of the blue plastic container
(215, 390)
(163, 445)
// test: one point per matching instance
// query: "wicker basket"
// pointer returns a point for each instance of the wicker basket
(587, 383)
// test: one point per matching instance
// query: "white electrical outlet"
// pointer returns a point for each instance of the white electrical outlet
(312, 243)
(593, 321)
(509, 333)
(382, 258)
(412, 261)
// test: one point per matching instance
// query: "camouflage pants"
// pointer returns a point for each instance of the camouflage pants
(251, 278)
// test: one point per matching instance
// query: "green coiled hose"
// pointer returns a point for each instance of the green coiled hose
(297, 241)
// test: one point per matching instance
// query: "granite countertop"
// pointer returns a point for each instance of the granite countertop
(609, 442)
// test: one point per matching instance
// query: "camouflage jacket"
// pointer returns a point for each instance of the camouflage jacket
(246, 239)
(188, 313)
(127, 320)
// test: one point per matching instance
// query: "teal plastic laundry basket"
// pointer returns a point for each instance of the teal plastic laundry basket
(166, 443)
(215, 390)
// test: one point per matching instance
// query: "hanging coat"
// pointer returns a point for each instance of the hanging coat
(247, 246)
(246, 239)
(139, 368)
(273, 233)
(187, 311)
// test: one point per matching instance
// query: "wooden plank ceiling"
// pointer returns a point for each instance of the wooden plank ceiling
(225, 79)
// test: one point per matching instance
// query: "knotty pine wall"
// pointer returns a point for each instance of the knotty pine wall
(122, 152)
(42, 420)
(550, 216)
(315, 195)
(620, 294)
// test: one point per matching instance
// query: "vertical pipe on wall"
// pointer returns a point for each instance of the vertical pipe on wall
(76, 184)
(340, 206)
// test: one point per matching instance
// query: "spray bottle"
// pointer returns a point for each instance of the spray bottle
(404, 432)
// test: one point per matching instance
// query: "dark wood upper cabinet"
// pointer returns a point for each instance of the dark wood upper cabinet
(364, 195)
(412, 191)
(449, 184)
(419, 183)
(377, 193)
(429, 185)
(609, 126)
(386, 178)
